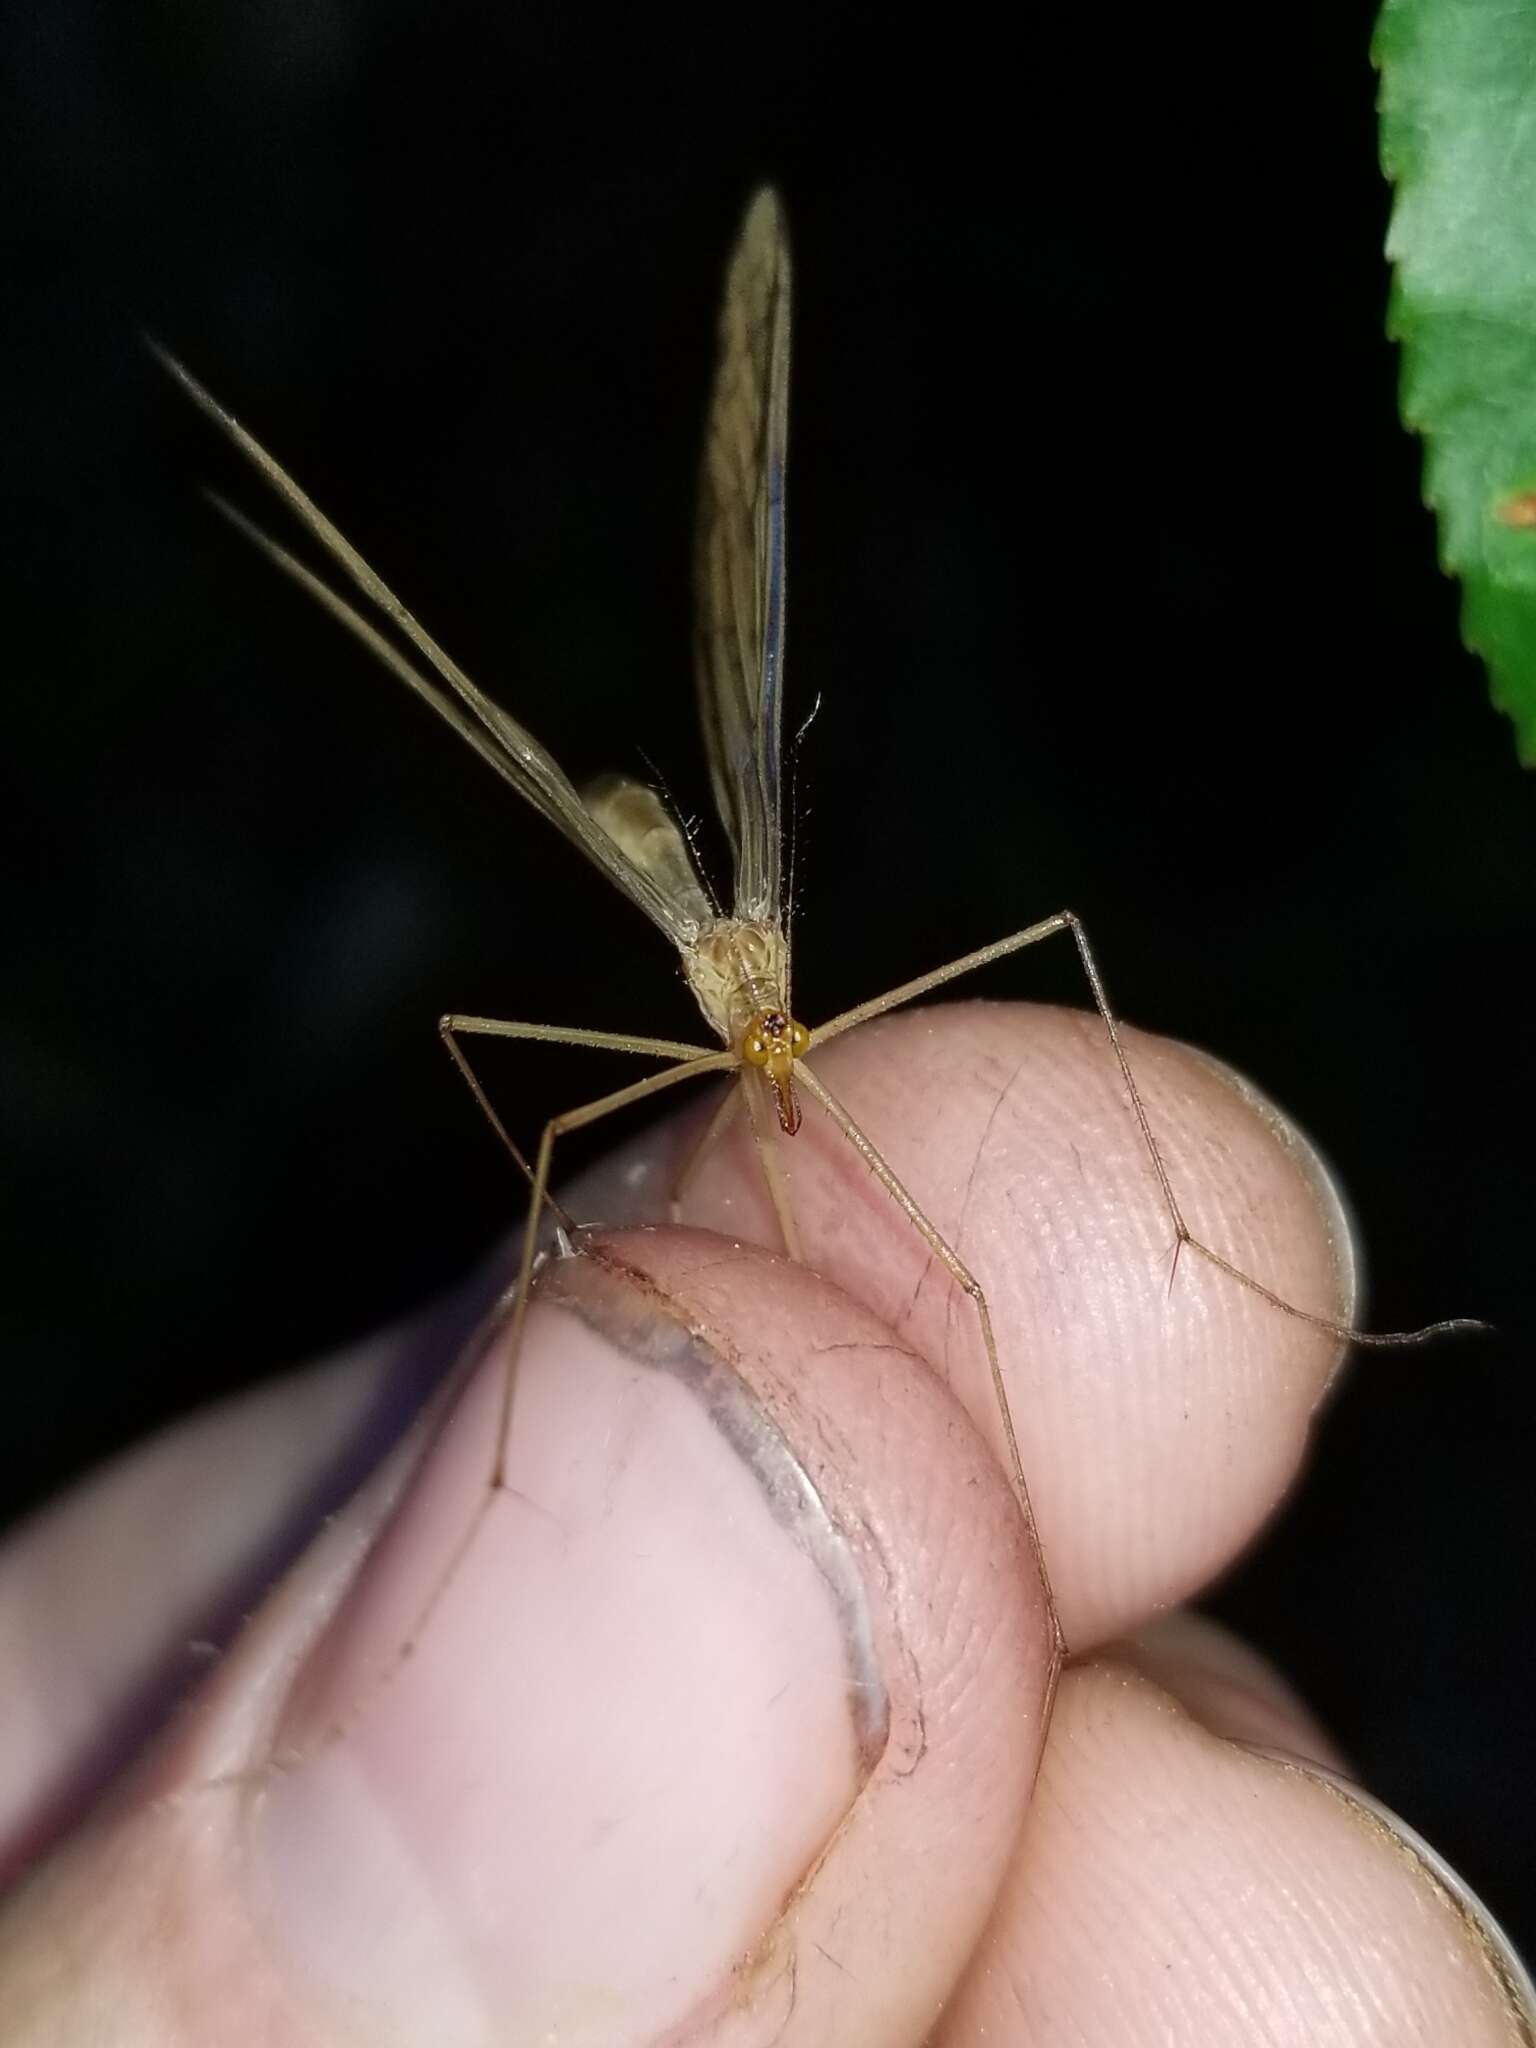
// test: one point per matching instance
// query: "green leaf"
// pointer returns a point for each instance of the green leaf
(1458, 141)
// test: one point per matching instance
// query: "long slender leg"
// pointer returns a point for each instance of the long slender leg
(557, 1127)
(942, 1250)
(936, 977)
(1068, 921)
(550, 1034)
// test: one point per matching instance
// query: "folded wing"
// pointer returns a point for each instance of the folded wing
(740, 559)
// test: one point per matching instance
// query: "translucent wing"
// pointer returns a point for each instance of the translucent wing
(498, 738)
(740, 563)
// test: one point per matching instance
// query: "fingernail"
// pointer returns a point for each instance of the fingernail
(556, 1789)
(1511, 1979)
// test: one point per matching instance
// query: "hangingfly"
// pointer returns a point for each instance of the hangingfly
(738, 966)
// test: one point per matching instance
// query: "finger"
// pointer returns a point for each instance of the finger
(1161, 1414)
(1173, 1886)
(1160, 1423)
(114, 1596)
(1228, 1687)
(750, 1641)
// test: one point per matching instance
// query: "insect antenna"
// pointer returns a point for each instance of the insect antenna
(494, 734)
(378, 644)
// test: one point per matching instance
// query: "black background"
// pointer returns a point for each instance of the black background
(1107, 553)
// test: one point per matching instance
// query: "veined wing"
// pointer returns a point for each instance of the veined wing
(497, 737)
(740, 561)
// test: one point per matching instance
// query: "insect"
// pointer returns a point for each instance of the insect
(738, 964)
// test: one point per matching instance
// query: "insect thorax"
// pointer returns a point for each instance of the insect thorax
(737, 969)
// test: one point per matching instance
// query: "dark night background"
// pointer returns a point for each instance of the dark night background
(1106, 551)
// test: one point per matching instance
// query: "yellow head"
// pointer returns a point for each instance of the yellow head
(773, 1041)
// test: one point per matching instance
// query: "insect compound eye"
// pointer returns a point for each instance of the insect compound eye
(771, 1037)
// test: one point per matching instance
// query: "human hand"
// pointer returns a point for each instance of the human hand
(731, 1725)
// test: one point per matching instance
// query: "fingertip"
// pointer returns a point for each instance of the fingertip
(1178, 1887)
(1333, 1215)
(1228, 1686)
(1161, 1406)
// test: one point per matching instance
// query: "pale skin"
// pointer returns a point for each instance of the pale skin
(622, 1792)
